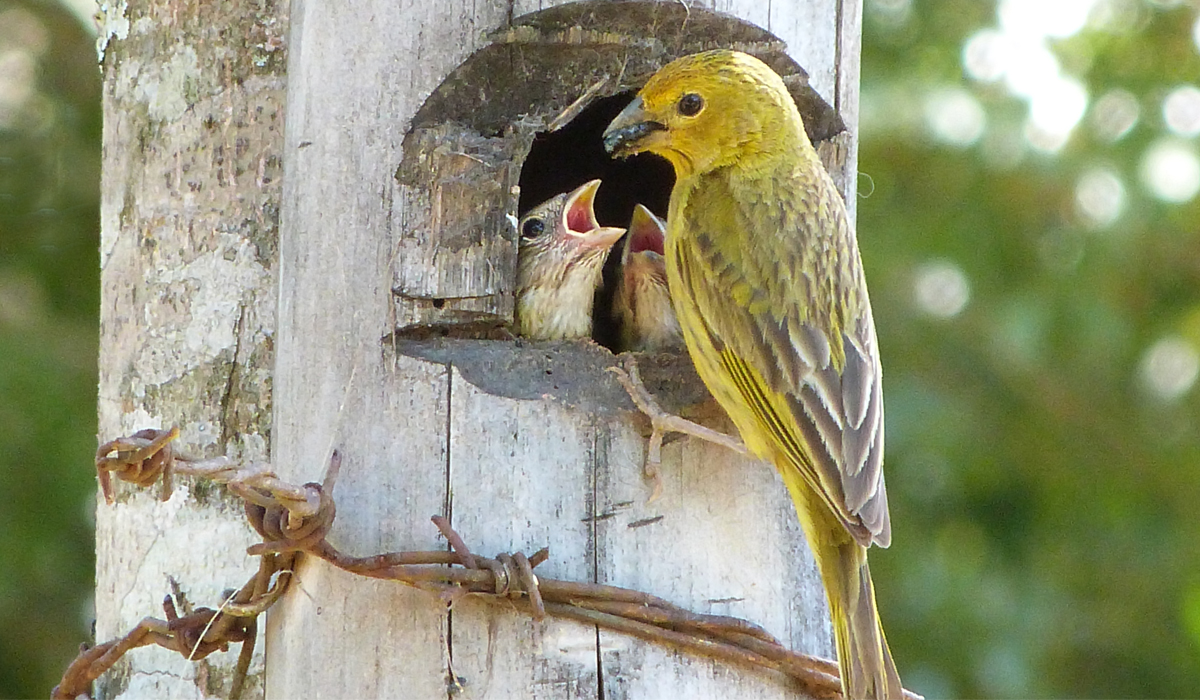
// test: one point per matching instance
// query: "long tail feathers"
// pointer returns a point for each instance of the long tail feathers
(867, 668)
(863, 655)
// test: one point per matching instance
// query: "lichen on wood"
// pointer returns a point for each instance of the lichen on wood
(190, 199)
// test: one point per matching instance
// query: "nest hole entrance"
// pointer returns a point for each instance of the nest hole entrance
(559, 161)
(483, 132)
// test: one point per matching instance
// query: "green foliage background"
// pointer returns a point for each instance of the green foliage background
(49, 301)
(1044, 503)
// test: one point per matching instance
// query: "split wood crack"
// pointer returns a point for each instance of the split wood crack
(293, 522)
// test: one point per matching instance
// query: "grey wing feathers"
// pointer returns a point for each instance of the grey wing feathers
(834, 434)
(847, 412)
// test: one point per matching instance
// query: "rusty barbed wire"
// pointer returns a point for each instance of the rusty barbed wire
(194, 635)
(146, 455)
(140, 459)
(294, 520)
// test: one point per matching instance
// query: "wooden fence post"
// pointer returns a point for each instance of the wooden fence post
(405, 131)
(193, 160)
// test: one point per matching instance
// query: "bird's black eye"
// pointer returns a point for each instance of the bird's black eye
(532, 228)
(691, 104)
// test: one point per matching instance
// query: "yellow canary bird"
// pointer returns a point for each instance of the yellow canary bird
(560, 260)
(641, 302)
(768, 285)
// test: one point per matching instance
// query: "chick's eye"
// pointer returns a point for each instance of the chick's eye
(532, 228)
(691, 104)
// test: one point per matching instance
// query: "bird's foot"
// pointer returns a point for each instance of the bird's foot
(661, 423)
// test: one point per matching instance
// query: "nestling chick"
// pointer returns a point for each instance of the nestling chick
(559, 263)
(642, 304)
(768, 285)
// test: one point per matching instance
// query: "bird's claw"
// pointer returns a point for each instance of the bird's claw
(632, 381)
(661, 423)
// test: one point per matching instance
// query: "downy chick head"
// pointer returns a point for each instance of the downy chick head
(559, 264)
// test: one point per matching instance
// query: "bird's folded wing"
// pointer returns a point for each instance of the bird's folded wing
(824, 420)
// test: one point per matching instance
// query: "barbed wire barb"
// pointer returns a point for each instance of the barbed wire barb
(293, 521)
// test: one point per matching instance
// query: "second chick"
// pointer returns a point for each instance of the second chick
(641, 303)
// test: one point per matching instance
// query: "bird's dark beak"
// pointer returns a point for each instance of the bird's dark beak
(626, 134)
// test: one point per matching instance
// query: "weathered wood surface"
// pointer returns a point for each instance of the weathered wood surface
(380, 236)
(513, 471)
(190, 193)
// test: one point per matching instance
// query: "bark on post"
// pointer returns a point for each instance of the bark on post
(193, 139)
(394, 230)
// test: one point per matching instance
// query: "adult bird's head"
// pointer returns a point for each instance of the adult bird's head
(706, 111)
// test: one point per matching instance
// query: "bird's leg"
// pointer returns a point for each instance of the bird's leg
(662, 422)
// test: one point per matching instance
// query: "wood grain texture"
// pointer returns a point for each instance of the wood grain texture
(190, 192)
(521, 478)
(358, 72)
(722, 540)
(405, 127)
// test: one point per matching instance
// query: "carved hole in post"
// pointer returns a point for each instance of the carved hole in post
(516, 123)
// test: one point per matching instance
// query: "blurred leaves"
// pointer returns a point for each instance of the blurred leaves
(1043, 491)
(49, 300)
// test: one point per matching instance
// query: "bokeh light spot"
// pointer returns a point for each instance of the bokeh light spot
(1114, 114)
(1099, 197)
(1042, 140)
(1170, 367)
(1059, 105)
(21, 29)
(1117, 16)
(1170, 171)
(941, 289)
(18, 71)
(954, 116)
(1058, 19)
(1181, 110)
(985, 55)
(1020, 52)
(1031, 65)
(23, 40)
(1054, 110)
(22, 301)
(1006, 669)
(890, 12)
